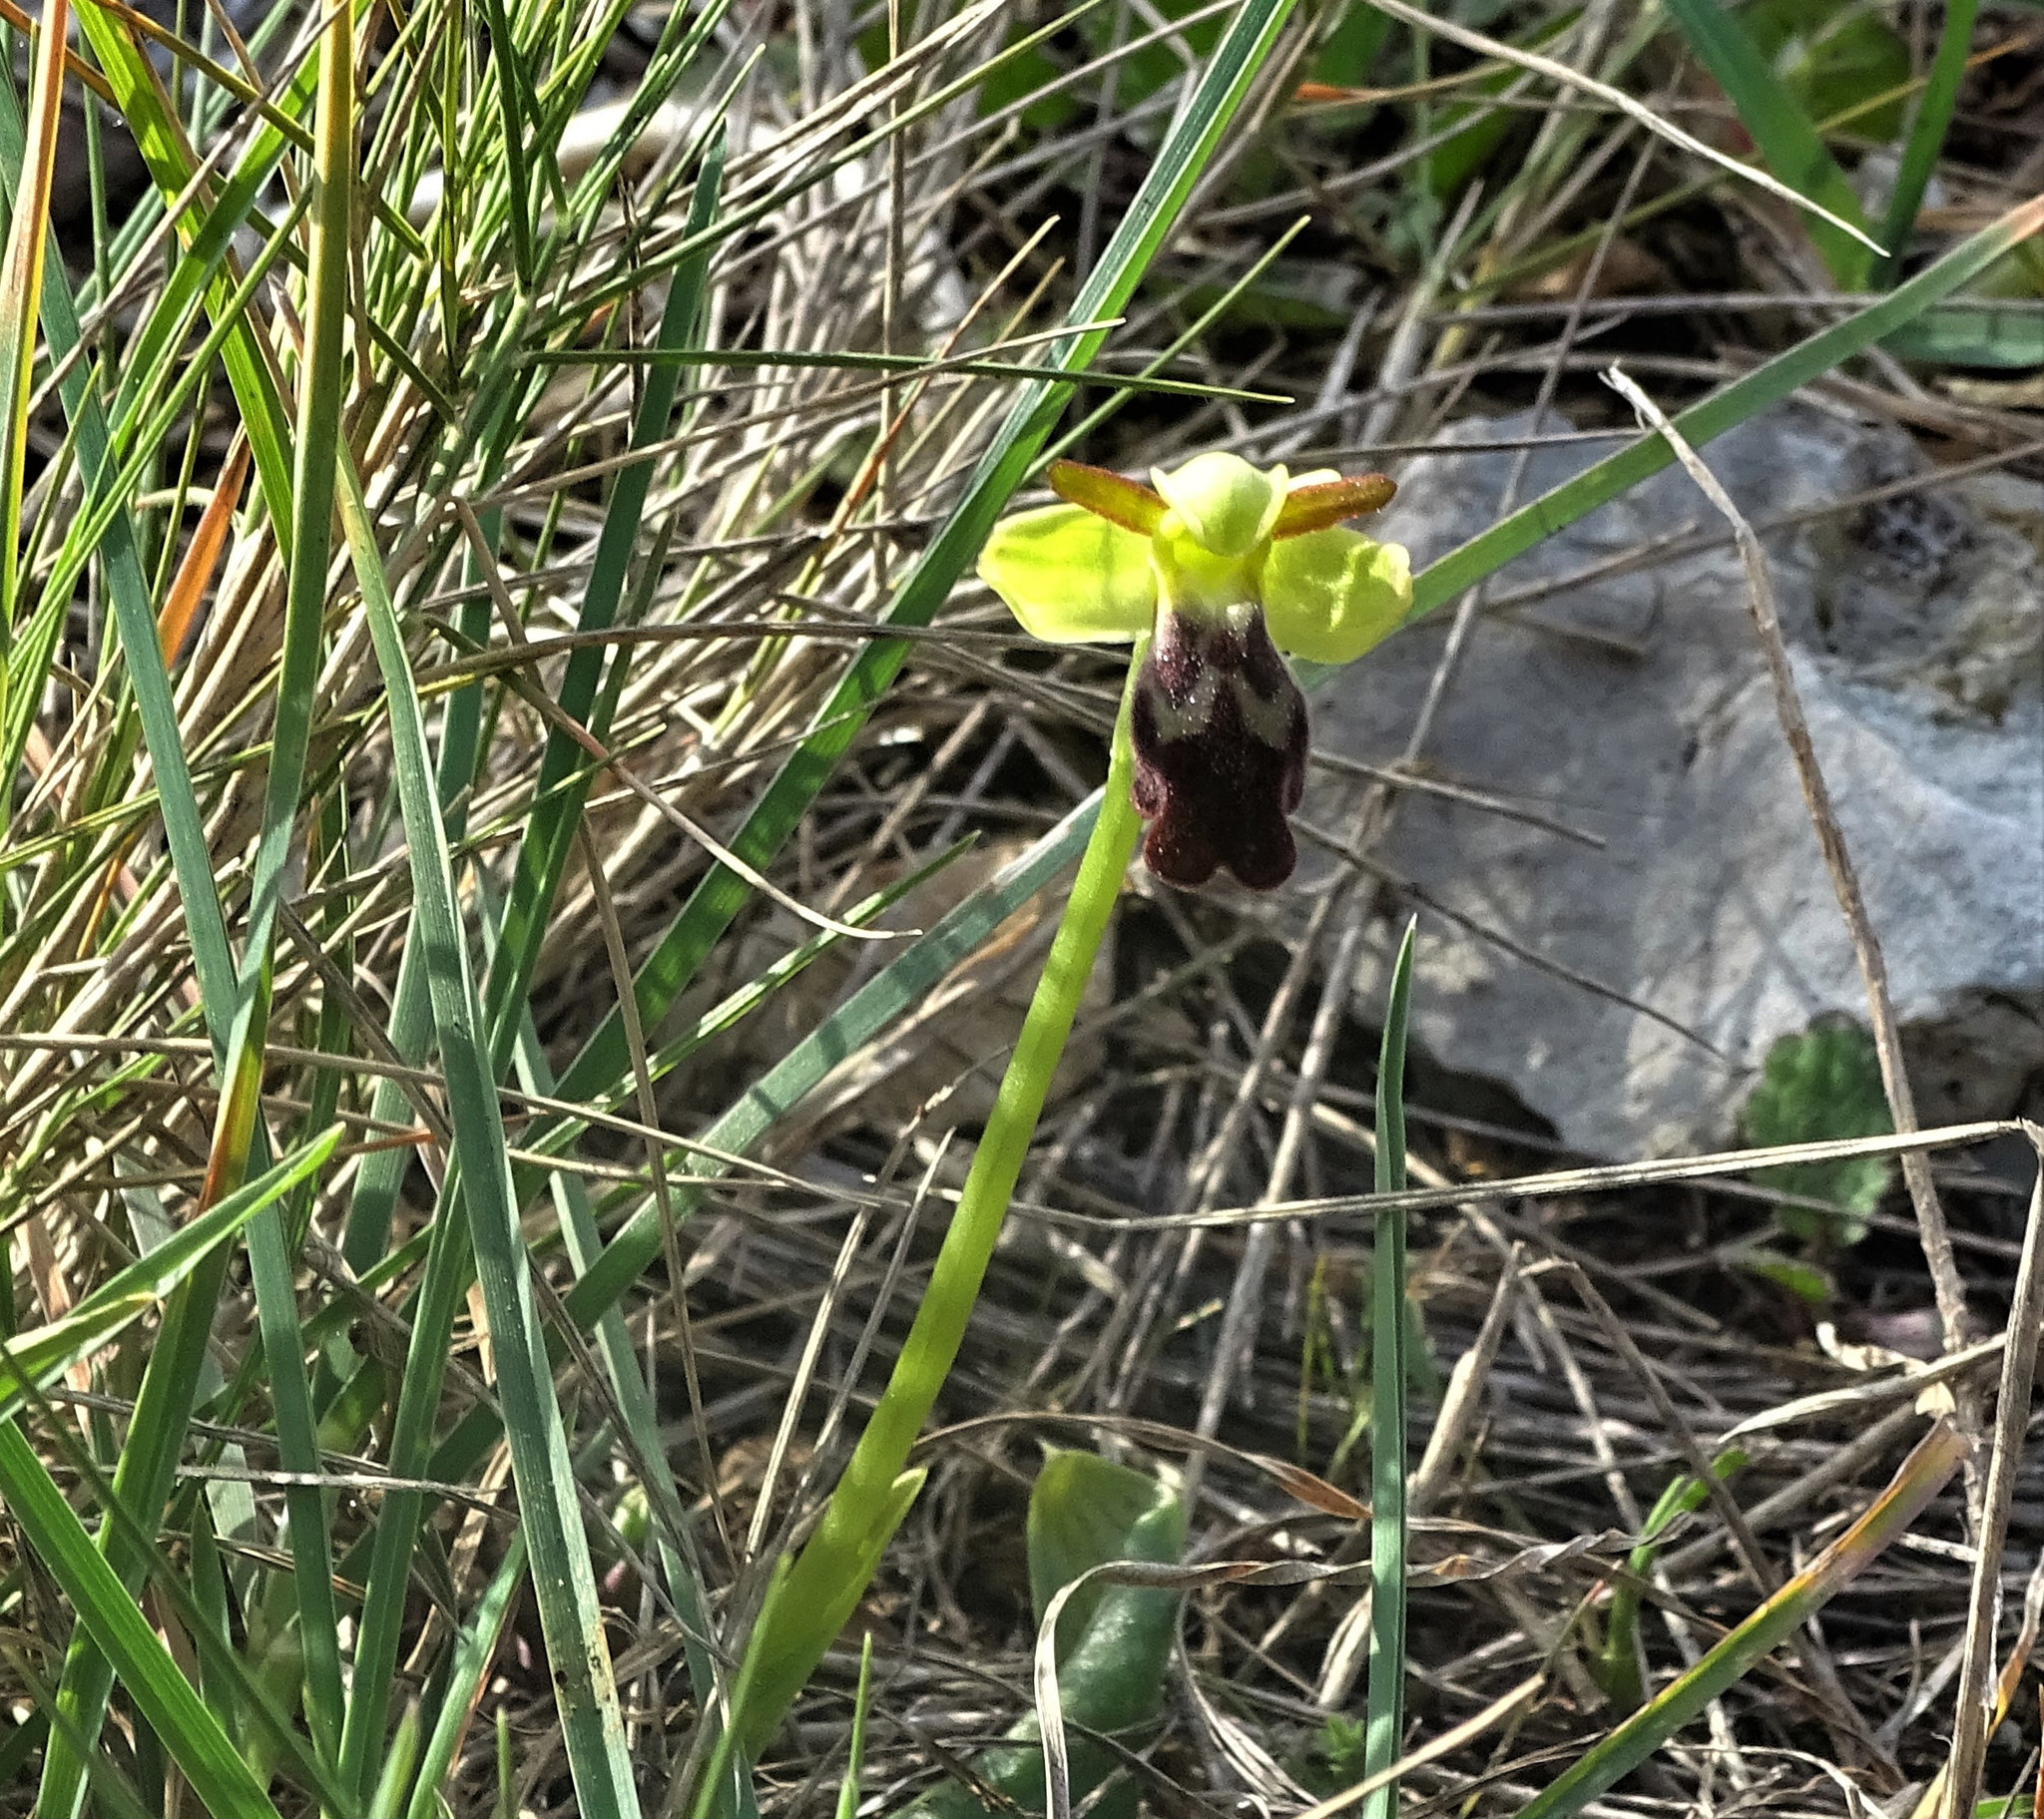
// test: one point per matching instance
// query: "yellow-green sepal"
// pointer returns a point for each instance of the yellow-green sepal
(1331, 595)
(1070, 577)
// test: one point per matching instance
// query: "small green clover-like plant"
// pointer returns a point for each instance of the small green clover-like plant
(1819, 1087)
(1340, 1747)
(1222, 567)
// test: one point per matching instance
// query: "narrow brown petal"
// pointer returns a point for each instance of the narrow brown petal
(1321, 507)
(1127, 503)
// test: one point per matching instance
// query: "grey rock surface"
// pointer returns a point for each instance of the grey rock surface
(1633, 706)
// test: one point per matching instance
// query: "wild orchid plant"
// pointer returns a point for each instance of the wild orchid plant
(1220, 566)
(1212, 573)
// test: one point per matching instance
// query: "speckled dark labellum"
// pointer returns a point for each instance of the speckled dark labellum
(1219, 734)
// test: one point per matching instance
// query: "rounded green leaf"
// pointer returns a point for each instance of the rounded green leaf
(1227, 504)
(1071, 578)
(1085, 1511)
(1331, 595)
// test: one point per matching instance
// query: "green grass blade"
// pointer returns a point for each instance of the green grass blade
(321, 433)
(1617, 1666)
(381, 1626)
(1151, 217)
(855, 1752)
(273, 1272)
(107, 1611)
(20, 293)
(640, 1419)
(504, 60)
(146, 1463)
(1921, 1477)
(563, 776)
(115, 484)
(1767, 385)
(474, 1649)
(44, 1352)
(1928, 128)
(141, 1480)
(367, 1234)
(1384, 1720)
(1973, 334)
(1786, 138)
(320, 436)
(563, 1580)
(400, 1764)
(543, 853)
(144, 105)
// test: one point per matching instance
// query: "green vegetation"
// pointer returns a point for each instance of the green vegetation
(527, 848)
(1815, 1088)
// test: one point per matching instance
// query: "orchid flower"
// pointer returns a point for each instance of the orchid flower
(1220, 566)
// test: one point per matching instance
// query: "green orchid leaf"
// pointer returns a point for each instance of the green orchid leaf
(1113, 1641)
(1084, 1511)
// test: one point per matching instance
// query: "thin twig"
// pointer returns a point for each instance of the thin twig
(2011, 1417)
(1945, 1281)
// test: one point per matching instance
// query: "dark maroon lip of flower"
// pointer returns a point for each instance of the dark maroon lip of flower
(1220, 735)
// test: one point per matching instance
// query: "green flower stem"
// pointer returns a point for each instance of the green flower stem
(809, 1603)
